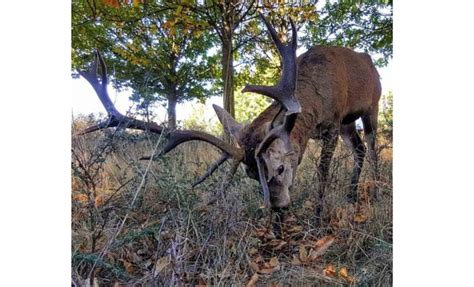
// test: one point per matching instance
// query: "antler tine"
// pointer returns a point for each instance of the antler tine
(116, 119)
(224, 157)
(100, 88)
(283, 92)
(178, 137)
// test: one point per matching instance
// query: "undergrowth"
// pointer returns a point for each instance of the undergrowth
(139, 223)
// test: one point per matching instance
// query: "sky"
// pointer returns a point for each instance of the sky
(85, 101)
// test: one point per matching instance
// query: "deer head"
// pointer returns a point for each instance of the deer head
(271, 160)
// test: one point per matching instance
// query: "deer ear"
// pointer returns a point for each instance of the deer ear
(230, 125)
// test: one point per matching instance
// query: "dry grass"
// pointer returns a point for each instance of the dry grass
(168, 235)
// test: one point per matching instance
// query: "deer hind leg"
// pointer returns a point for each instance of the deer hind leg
(352, 139)
(328, 147)
(370, 135)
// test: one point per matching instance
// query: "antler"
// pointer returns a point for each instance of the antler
(284, 93)
(116, 119)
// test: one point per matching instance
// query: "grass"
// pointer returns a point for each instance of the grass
(144, 225)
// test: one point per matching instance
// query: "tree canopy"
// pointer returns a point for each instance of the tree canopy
(174, 51)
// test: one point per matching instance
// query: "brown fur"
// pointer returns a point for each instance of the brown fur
(335, 86)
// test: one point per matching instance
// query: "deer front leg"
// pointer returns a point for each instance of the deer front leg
(370, 135)
(354, 142)
(329, 145)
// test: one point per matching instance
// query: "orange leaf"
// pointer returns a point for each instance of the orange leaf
(253, 281)
(277, 244)
(360, 218)
(99, 200)
(344, 274)
(330, 271)
(325, 242)
(80, 197)
(264, 233)
(303, 254)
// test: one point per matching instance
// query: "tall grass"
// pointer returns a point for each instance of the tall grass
(144, 225)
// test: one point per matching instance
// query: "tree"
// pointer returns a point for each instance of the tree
(158, 52)
(365, 25)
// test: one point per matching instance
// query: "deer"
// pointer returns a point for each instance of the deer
(319, 96)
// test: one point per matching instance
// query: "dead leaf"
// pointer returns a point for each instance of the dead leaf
(328, 239)
(330, 270)
(295, 261)
(253, 251)
(253, 281)
(303, 254)
(295, 229)
(322, 246)
(277, 244)
(274, 262)
(82, 198)
(99, 200)
(360, 218)
(344, 274)
(290, 219)
(161, 264)
(261, 267)
(201, 282)
(264, 233)
(308, 205)
(128, 266)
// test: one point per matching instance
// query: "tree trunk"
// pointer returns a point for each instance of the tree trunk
(172, 100)
(228, 71)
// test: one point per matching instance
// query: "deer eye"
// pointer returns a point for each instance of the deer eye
(280, 169)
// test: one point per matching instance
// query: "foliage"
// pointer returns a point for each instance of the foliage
(249, 106)
(365, 25)
(386, 115)
(197, 120)
(159, 53)
(173, 235)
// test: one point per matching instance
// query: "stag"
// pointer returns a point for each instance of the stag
(319, 96)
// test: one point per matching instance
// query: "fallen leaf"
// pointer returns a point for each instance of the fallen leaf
(254, 266)
(99, 200)
(80, 198)
(330, 270)
(253, 281)
(295, 261)
(253, 251)
(344, 274)
(295, 229)
(308, 205)
(201, 282)
(264, 233)
(290, 219)
(261, 267)
(128, 266)
(161, 264)
(360, 218)
(322, 246)
(274, 262)
(277, 244)
(303, 254)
